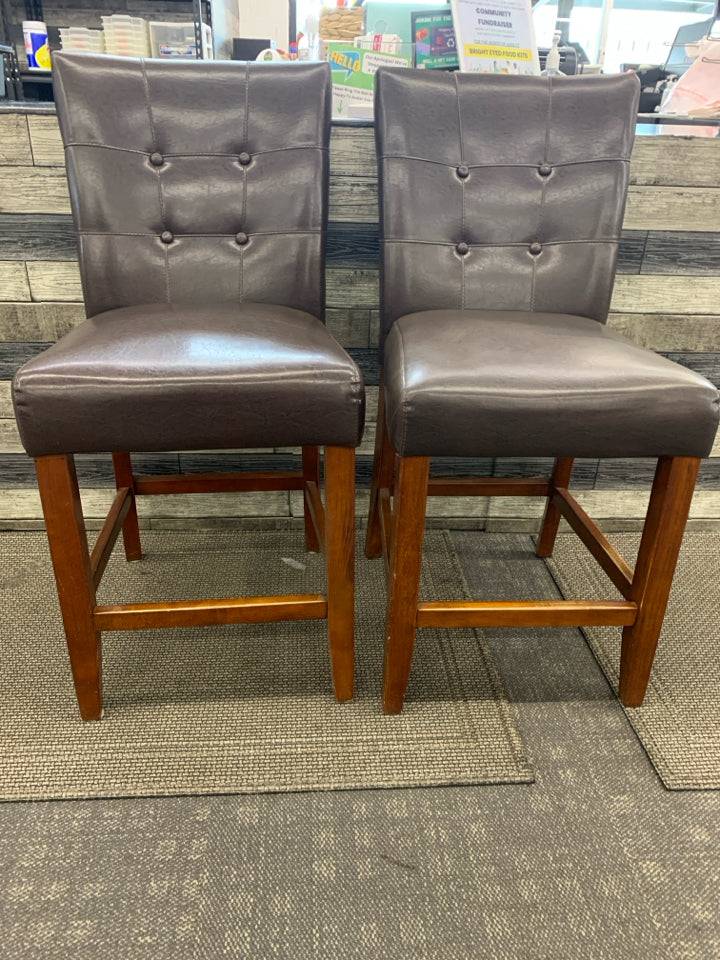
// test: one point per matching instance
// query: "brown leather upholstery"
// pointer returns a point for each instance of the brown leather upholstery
(516, 200)
(199, 193)
(482, 383)
(501, 205)
(196, 183)
(188, 378)
(505, 223)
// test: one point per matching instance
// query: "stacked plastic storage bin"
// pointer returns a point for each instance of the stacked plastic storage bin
(82, 39)
(178, 40)
(126, 36)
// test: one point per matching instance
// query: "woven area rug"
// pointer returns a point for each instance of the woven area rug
(239, 709)
(679, 722)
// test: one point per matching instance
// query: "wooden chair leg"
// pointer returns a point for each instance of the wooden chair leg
(311, 474)
(340, 556)
(408, 530)
(551, 521)
(383, 470)
(659, 549)
(62, 508)
(122, 465)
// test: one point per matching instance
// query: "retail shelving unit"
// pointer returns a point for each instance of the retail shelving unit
(37, 85)
(10, 67)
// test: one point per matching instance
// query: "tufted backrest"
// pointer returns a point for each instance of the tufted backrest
(196, 181)
(501, 192)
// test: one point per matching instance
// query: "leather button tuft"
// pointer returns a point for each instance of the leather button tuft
(157, 159)
(462, 248)
(241, 238)
(535, 248)
(244, 159)
(545, 169)
(462, 171)
(166, 236)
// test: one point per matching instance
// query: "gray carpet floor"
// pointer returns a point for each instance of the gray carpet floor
(238, 709)
(594, 860)
(679, 721)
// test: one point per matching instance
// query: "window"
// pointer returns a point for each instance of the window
(637, 31)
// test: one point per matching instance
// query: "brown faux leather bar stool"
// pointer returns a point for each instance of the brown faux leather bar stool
(501, 204)
(199, 192)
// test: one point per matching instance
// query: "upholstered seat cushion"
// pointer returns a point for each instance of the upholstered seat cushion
(501, 383)
(161, 377)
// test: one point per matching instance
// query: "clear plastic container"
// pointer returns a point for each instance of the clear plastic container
(126, 36)
(81, 46)
(112, 36)
(82, 38)
(178, 40)
(124, 31)
(120, 20)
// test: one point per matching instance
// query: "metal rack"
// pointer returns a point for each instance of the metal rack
(8, 56)
(33, 9)
(11, 72)
(198, 22)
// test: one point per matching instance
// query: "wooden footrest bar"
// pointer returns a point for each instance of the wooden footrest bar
(199, 613)
(526, 613)
(317, 510)
(596, 542)
(385, 507)
(240, 482)
(109, 533)
(488, 487)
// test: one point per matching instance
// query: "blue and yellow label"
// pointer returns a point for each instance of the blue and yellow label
(38, 51)
(345, 61)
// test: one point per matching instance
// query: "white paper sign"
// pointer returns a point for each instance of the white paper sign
(496, 36)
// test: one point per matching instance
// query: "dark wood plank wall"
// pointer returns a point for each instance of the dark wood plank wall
(667, 297)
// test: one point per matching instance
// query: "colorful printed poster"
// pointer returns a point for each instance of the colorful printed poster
(434, 38)
(496, 36)
(353, 77)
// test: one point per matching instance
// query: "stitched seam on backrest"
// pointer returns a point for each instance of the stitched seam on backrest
(494, 244)
(462, 187)
(543, 190)
(500, 164)
(243, 214)
(246, 119)
(256, 233)
(161, 202)
(83, 280)
(404, 405)
(186, 155)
